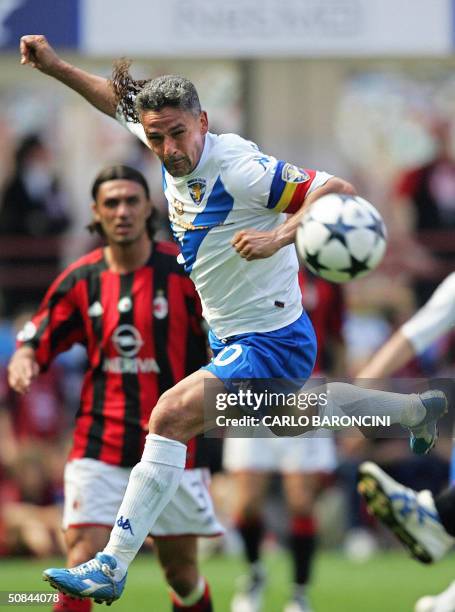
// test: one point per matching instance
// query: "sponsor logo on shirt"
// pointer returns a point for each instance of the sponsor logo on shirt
(293, 174)
(197, 188)
(127, 341)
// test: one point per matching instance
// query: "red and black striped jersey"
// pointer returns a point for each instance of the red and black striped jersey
(142, 332)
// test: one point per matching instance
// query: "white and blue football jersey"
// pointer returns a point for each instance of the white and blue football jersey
(235, 187)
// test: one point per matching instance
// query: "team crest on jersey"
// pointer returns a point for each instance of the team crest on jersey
(197, 187)
(293, 174)
(160, 306)
(178, 206)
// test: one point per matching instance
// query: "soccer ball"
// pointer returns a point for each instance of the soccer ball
(341, 237)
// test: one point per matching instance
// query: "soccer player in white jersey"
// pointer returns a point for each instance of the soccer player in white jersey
(226, 203)
(426, 526)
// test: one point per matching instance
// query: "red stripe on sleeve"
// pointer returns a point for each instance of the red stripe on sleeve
(300, 193)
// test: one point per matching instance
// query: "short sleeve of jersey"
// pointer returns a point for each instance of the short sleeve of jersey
(434, 319)
(131, 126)
(261, 179)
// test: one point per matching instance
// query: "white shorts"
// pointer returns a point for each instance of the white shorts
(283, 455)
(94, 491)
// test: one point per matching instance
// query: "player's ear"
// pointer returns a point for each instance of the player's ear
(149, 207)
(94, 208)
(204, 122)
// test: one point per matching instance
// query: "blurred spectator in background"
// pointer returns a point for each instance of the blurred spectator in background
(33, 206)
(32, 430)
(429, 192)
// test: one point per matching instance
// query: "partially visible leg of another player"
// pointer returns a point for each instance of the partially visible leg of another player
(178, 558)
(423, 523)
(189, 590)
(300, 491)
(303, 462)
(250, 491)
(82, 544)
(177, 417)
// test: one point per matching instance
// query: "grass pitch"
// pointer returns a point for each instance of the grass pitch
(389, 582)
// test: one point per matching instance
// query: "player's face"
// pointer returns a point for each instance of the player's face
(122, 209)
(176, 136)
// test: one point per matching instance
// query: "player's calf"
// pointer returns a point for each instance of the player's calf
(198, 600)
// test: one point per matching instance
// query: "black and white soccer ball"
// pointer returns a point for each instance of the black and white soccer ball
(341, 238)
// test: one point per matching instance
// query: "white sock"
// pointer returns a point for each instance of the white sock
(345, 399)
(152, 484)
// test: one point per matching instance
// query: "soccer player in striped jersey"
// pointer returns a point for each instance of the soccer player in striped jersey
(138, 315)
(227, 206)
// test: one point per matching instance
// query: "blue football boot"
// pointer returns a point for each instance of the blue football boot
(98, 578)
(424, 435)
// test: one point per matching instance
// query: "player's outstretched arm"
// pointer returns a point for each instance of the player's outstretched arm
(433, 320)
(395, 354)
(251, 244)
(38, 53)
(22, 369)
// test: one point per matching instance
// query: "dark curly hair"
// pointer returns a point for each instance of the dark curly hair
(134, 96)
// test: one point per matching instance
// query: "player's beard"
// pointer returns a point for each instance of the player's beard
(177, 167)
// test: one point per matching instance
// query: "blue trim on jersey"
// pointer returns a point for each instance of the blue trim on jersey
(452, 467)
(219, 205)
(163, 173)
(277, 187)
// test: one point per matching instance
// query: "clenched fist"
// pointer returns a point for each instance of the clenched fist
(252, 244)
(37, 52)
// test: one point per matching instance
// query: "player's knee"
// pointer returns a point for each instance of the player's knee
(301, 507)
(166, 415)
(182, 577)
(248, 511)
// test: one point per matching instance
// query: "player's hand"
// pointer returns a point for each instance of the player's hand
(37, 52)
(22, 370)
(251, 244)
